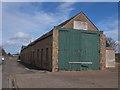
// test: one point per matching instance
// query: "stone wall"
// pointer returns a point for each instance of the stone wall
(102, 51)
(55, 51)
(39, 53)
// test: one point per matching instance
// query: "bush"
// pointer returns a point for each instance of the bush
(117, 59)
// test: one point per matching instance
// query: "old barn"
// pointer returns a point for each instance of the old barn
(76, 44)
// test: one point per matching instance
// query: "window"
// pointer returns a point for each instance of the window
(80, 25)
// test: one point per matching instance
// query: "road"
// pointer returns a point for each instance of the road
(0, 77)
(31, 78)
(11, 68)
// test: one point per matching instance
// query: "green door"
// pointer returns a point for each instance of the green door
(78, 50)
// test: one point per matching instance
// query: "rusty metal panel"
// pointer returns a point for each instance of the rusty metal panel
(78, 46)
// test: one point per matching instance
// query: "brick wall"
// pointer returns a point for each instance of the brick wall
(102, 51)
(40, 53)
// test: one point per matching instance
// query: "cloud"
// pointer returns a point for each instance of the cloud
(18, 38)
(17, 41)
(60, 0)
(44, 0)
(66, 7)
(21, 36)
(109, 26)
(30, 19)
(0, 24)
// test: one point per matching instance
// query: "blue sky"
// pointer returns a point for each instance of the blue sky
(25, 22)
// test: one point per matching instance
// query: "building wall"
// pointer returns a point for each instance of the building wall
(80, 17)
(26, 56)
(55, 51)
(102, 51)
(39, 54)
(43, 52)
(110, 57)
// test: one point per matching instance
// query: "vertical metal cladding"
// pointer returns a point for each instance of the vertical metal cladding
(78, 50)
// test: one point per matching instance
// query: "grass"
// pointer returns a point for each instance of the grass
(117, 59)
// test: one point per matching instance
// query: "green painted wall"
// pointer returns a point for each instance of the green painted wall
(78, 46)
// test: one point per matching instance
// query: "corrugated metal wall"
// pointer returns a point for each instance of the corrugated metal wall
(78, 50)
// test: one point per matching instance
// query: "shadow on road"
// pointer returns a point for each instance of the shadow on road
(29, 66)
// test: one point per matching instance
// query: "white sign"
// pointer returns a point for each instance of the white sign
(80, 62)
(80, 25)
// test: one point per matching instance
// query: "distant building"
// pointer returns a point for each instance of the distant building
(75, 44)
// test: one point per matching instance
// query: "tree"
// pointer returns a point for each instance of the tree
(9, 54)
(111, 43)
(2, 51)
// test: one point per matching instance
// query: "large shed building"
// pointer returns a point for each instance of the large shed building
(75, 44)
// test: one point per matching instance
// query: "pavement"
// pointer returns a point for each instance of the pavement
(82, 79)
(20, 76)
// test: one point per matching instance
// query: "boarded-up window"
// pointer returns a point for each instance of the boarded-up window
(47, 54)
(38, 55)
(33, 57)
(42, 58)
(47, 58)
(80, 25)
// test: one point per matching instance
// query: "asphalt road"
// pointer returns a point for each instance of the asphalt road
(32, 78)
(0, 77)
(11, 68)
(84, 79)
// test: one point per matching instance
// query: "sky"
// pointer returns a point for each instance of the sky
(23, 22)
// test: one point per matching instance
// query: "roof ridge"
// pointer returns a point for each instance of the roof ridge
(75, 16)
